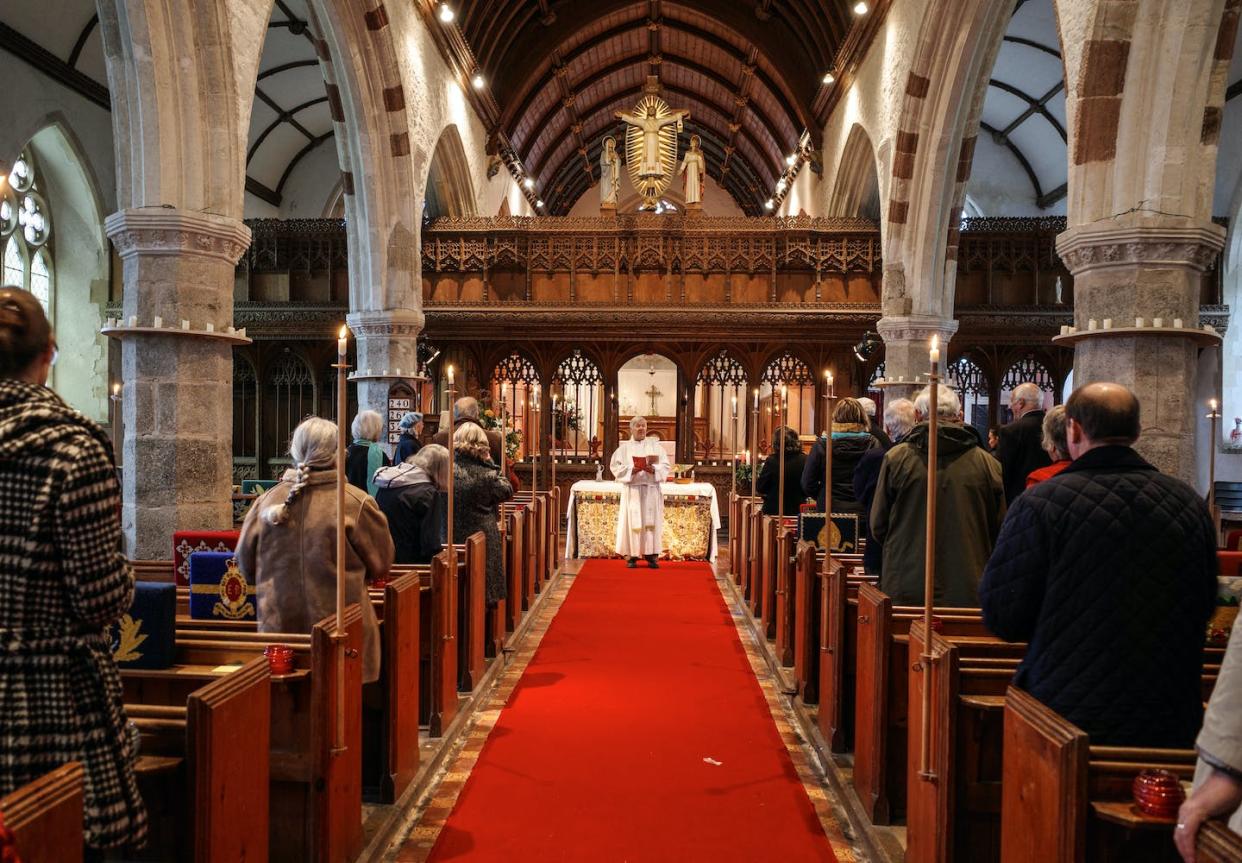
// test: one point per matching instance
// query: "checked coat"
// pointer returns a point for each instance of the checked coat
(1109, 571)
(63, 580)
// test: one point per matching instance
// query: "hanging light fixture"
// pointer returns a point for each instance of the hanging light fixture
(477, 81)
(860, 8)
(829, 78)
(528, 183)
(865, 349)
(446, 13)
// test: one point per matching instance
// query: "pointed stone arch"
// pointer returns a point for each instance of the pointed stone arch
(856, 191)
(449, 192)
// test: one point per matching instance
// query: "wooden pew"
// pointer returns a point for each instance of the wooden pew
(400, 626)
(807, 562)
(193, 744)
(1064, 799)
(882, 722)
(763, 593)
(46, 816)
(741, 563)
(835, 635)
(786, 601)
(472, 611)
(439, 616)
(315, 791)
(514, 518)
(1216, 843)
(754, 563)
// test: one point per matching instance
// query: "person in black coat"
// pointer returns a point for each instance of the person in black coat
(899, 417)
(873, 425)
(409, 496)
(411, 426)
(1020, 444)
(1108, 570)
(768, 481)
(851, 437)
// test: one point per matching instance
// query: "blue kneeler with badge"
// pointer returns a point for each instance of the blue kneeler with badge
(218, 590)
(145, 637)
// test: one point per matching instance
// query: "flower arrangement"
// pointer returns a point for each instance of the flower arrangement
(513, 437)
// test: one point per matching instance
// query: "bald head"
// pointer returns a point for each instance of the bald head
(1101, 414)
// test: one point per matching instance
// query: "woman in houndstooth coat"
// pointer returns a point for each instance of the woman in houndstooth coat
(63, 580)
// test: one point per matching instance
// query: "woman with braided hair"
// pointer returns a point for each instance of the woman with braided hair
(64, 581)
(287, 547)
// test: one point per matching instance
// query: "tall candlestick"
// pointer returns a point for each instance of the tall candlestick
(780, 484)
(537, 442)
(342, 369)
(733, 462)
(829, 394)
(452, 479)
(754, 443)
(1214, 416)
(504, 438)
(553, 453)
(929, 558)
(118, 445)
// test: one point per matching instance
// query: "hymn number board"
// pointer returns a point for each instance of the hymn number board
(397, 408)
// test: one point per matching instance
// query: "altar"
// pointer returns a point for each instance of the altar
(691, 520)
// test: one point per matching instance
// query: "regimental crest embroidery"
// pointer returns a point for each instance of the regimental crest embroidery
(235, 593)
(130, 639)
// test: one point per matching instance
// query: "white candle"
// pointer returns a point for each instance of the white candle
(756, 398)
(1108, 323)
(1177, 323)
(1064, 329)
(1139, 322)
(341, 342)
(157, 322)
(211, 328)
(1209, 328)
(832, 390)
(735, 407)
(1157, 322)
(935, 351)
(185, 325)
(242, 332)
(1212, 405)
(1091, 324)
(133, 321)
(450, 375)
(116, 391)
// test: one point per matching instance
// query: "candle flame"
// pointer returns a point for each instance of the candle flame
(344, 333)
(1212, 404)
(935, 341)
(116, 389)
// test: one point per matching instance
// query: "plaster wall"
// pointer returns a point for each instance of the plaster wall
(998, 184)
(807, 195)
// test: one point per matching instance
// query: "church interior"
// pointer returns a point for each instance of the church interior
(659, 251)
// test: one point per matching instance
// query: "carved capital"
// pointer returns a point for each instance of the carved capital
(915, 328)
(167, 231)
(1103, 245)
(393, 324)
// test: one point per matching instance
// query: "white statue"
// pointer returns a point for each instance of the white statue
(694, 168)
(650, 122)
(609, 175)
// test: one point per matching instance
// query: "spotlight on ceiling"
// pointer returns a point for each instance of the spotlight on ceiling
(790, 159)
(865, 349)
(528, 183)
(769, 204)
(780, 185)
(478, 81)
(829, 78)
(860, 8)
(539, 203)
(446, 13)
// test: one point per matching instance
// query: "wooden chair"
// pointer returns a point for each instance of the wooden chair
(46, 816)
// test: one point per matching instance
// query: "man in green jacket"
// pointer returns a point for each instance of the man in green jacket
(970, 507)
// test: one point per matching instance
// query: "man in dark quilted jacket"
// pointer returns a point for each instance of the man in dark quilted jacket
(1109, 571)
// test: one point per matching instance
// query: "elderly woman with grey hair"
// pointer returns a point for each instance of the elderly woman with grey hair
(409, 495)
(478, 491)
(365, 455)
(287, 547)
(410, 426)
(1055, 444)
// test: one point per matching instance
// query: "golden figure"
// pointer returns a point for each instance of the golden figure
(651, 144)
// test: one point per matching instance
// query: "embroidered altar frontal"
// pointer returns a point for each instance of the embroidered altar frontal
(687, 525)
(218, 590)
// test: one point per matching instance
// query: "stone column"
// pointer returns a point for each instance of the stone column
(1144, 266)
(907, 340)
(387, 352)
(178, 388)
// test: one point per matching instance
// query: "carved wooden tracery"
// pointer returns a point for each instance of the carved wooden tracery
(578, 417)
(720, 397)
(515, 382)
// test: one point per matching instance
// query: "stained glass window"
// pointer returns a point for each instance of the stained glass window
(14, 264)
(41, 280)
(26, 231)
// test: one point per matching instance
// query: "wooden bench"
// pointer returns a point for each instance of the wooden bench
(836, 636)
(513, 524)
(785, 605)
(45, 816)
(881, 711)
(315, 791)
(1216, 843)
(206, 784)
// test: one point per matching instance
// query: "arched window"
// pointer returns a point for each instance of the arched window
(515, 383)
(788, 371)
(245, 406)
(971, 385)
(1026, 370)
(578, 417)
(720, 409)
(26, 231)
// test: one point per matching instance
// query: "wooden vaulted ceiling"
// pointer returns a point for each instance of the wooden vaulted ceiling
(749, 72)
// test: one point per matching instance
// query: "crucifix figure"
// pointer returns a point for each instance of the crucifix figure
(653, 394)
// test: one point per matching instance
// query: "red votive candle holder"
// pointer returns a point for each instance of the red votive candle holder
(1158, 793)
(279, 658)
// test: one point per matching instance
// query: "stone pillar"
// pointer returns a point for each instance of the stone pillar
(907, 341)
(387, 352)
(1144, 266)
(178, 388)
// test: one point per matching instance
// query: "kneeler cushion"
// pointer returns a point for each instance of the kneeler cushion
(145, 637)
(257, 486)
(218, 590)
(845, 534)
(186, 542)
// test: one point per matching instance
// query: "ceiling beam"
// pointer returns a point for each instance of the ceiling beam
(81, 42)
(284, 117)
(262, 192)
(1034, 106)
(1031, 43)
(49, 64)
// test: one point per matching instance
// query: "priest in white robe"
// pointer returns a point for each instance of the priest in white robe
(640, 520)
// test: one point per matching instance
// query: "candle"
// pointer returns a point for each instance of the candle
(450, 375)
(116, 391)
(1177, 323)
(185, 325)
(756, 398)
(211, 328)
(1157, 322)
(157, 322)
(1140, 322)
(1212, 405)
(929, 565)
(735, 407)
(1091, 324)
(830, 384)
(1064, 330)
(341, 370)
(133, 321)
(935, 351)
(341, 339)
(1108, 323)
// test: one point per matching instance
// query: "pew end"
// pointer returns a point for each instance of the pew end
(46, 816)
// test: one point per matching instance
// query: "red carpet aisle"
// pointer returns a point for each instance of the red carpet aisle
(638, 732)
